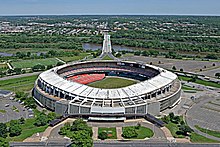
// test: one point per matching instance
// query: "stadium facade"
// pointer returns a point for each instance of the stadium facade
(63, 89)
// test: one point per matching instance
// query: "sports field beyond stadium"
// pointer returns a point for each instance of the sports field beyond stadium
(31, 63)
(112, 82)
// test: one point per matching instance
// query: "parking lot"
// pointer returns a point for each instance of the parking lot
(10, 109)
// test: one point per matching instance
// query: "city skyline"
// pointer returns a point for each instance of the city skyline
(111, 7)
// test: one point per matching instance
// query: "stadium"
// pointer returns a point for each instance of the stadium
(67, 89)
(64, 89)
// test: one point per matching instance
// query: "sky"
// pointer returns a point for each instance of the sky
(110, 7)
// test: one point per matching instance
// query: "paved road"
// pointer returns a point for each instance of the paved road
(149, 144)
(56, 137)
(19, 76)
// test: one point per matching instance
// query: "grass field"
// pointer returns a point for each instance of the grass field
(107, 58)
(110, 131)
(210, 132)
(74, 58)
(28, 129)
(112, 82)
(31, 63)
(196, 138)
(19, 84)
(143, 132)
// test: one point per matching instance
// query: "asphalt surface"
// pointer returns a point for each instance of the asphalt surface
(149, 144)
(19, 76)
(10, 114)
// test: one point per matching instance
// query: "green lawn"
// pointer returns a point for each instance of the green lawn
(28, 129)
(143, 132)
(74, 58)
(31, 63)
(174, 128)
(196, 138)
(107, 58)
(184, 87)
(112, 82)
(2, 111)
(19, 84)
(210, 132)
(110, 131)
(202, 82)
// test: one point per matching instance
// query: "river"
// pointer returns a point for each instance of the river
(91, 46)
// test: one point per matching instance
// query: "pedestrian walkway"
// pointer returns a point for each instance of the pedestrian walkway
(95, 133)
(119, 133)
(60, 60)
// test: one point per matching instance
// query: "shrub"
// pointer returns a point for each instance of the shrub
(103, 135)
(129, 132)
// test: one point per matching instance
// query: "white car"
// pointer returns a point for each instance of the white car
(6, 105)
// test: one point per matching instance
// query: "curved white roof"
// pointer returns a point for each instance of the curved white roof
(53, 79)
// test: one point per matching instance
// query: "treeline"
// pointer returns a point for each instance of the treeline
(164, 36)
(39, 41)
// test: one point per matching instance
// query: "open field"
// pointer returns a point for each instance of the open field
(110, 131)
(74, 58)
(112, 82)
(31, 63)
(19, 84)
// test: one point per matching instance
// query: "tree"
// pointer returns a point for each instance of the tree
(184, 129)
(171, 115)
(174, 68)
(166, 119)
(3, 130)
(22, 120)
(217, 74)
(129, 132)
(103, 135)
(118, 55)
(81, 139)
(41, 120)
(38, 67)
(3, 143)
(49, 66)
(51, 116)
(59, 63)
(175, 119)
(18, 70)
(14, 128)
